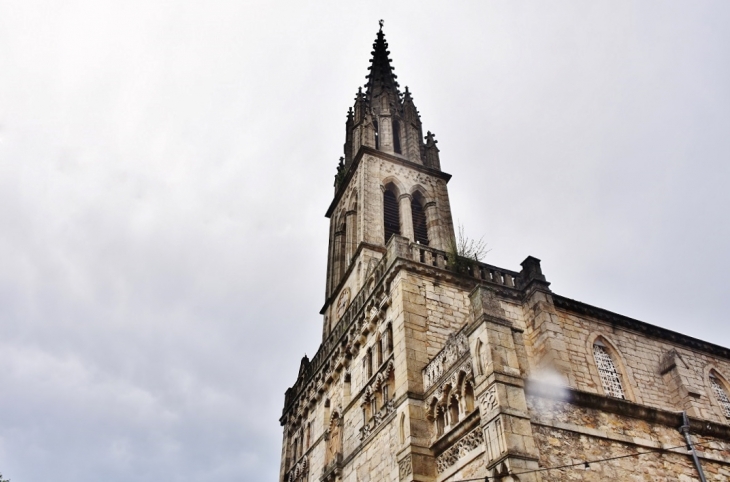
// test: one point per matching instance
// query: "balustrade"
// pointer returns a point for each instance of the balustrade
(475, 269)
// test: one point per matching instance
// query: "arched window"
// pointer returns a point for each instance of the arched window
(391, 215)
(396, 136)
(610, 377)
(388, 387)
(478, 353)
(295, 449)
(720, 394)
(369, 363)
(440, 420)
(377, 134)
(453, 411)
(468, 397)
(379, 347)
(420, 230)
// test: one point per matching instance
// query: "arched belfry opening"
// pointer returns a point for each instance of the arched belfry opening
(396, 136)
(420, 228)
(377, 134)
(391, 212)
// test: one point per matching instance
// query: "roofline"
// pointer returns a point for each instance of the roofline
(642, 327)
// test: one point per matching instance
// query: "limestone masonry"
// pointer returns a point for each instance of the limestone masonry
(438, 368)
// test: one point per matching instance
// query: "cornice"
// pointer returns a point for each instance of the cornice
(626, 408)
(642, 327)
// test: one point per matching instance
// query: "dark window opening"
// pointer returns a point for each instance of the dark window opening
(420, 231)
(391, 216)
(377, 138)
(396, 136)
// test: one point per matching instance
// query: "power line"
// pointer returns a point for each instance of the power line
(585, 463)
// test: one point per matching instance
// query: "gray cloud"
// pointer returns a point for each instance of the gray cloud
(165, 168)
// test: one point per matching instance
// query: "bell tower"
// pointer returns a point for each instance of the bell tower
(388, 182)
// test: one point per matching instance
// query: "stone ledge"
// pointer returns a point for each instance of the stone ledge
(625, 408)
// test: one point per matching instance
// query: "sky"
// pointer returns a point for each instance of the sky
(165, 167)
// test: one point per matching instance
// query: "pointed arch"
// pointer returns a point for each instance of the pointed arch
(391, 212)
(608, 369)
(418, 212)
(478, 355)
(719, 389)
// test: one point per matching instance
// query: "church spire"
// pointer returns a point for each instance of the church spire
(381, 79)
(383, 119)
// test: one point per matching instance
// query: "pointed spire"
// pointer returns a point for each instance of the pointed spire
(381, 78)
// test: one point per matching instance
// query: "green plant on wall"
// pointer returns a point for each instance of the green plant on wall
(465, 251)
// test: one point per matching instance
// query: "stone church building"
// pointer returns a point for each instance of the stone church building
(438, 368)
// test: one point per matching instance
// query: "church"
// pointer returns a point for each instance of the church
(437, 367)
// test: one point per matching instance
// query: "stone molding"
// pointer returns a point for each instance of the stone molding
(625, 408)
(466, 444)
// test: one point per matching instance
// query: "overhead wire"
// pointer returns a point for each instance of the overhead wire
(585, 463)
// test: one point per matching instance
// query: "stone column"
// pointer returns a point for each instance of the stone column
(406, 216)
(500, 390)
(433, 225)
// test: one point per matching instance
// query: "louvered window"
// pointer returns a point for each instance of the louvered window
(419, 222)
(610, 377)
(720, 395)
(391, 217)
(377, 134)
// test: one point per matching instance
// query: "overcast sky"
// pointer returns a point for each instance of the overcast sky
(165, 167)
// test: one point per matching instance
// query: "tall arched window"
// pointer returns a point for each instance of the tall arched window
(453, 411)
(391, 214)
(396, 136)
(478, 353)
(610, 377)
(377, 134)
(720, 393)
(389, 338)
(379, 352)
(420, 230)
(369, 363)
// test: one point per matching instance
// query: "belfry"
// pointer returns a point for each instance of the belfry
(437, 367)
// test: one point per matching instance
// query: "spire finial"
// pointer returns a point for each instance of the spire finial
(381, 22)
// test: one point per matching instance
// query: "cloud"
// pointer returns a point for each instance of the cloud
(165, 168)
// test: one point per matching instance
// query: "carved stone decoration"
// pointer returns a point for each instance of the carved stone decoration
(405, 467)
(489, 400)
(342, 302)
(377, 419)
(468, 442)
(455, 347)
(334, 439)
(373, 313)
(494, 438)
(299, 471)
